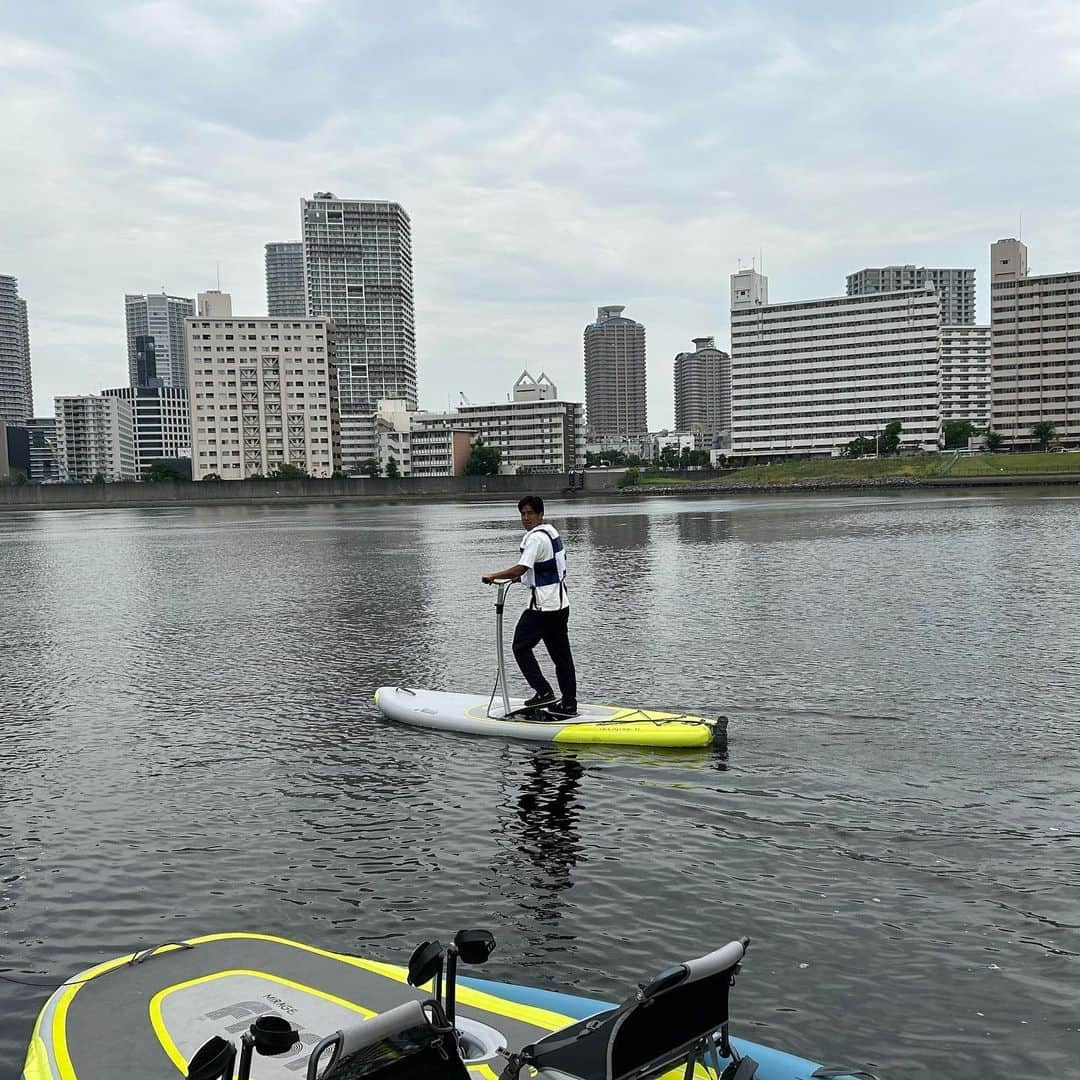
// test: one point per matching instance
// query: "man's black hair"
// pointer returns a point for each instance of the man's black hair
(533, 502)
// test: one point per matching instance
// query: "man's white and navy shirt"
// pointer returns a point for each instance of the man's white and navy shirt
(542, 552)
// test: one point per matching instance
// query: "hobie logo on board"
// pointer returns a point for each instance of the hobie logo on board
(242, 1013)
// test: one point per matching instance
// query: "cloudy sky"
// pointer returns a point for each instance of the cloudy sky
(552, 158)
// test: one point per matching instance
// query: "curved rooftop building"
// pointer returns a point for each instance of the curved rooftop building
(615, 374)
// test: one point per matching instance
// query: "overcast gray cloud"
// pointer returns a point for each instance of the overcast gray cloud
(551, 160)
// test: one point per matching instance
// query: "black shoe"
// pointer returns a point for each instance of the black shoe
(545, 697)
(563, 710)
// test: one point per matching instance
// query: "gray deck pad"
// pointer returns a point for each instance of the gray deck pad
(148, 1019)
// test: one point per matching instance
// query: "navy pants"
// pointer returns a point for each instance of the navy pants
(550, 627)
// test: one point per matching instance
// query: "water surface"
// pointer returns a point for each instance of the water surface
(188, 745)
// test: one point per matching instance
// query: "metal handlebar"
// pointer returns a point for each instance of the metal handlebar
(500, 603)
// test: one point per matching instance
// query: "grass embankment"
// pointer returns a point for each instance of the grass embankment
(870, 470)
(794, 472)
(1016, 464)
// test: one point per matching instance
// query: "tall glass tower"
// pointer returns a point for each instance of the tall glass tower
(358, 272)
(285, 280)
(157, 352)
(358, 265)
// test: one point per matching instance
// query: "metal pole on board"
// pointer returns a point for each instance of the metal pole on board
(500, 603)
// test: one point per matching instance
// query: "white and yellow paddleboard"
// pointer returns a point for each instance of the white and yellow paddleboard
(594, 724)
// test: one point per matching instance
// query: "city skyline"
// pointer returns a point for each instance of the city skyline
(519, 231)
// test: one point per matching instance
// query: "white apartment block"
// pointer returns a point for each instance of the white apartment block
(955, 286)
(162, 426)
(534, 432)
(95, 436)
(393, 435)
(677, 441)
(439, 445)
(262, 392)
(809, 376)
(648, 446)
(1035, 346)
(965, 374)
(642, 446)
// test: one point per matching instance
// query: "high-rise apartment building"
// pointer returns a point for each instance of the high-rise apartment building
(809, 376)
(285, 295)
(155, 336)
(965, 374)
(615, 374)
(95, 436)
(16, 389)
(533, 432)
(703, 391)
(14, 451)
(44, 459)
(262, 393)
(1035, 345)
(358, 272)
(439, 444)
(160, 425)
(956, 287)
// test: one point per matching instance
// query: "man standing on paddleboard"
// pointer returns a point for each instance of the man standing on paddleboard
(542, 564)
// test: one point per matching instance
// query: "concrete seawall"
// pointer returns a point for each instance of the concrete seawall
(449, 488)
(105, 496)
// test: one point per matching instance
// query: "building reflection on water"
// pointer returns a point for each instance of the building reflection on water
(705, 528)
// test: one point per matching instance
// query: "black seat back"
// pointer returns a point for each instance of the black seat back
(662, 1028)
(668, 1019)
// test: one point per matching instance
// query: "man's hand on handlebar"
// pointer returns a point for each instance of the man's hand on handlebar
(511, 573)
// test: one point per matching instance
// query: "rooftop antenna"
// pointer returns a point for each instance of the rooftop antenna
(1020, 229)
(219, 276)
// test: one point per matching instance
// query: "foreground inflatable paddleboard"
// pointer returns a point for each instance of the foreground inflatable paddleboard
(474, 714)
(145, 1015)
